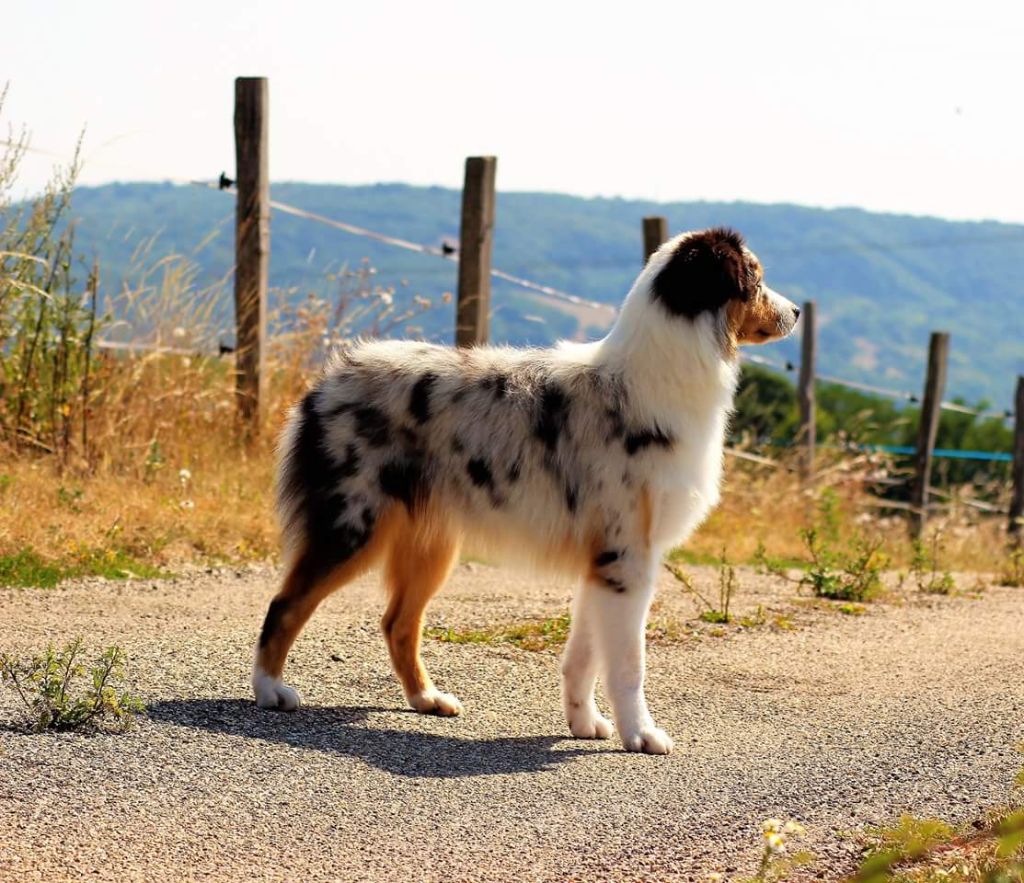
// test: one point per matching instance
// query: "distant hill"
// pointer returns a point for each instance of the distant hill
(881, 281)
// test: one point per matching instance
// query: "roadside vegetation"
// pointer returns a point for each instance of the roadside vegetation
(929, 850)
(127, 462)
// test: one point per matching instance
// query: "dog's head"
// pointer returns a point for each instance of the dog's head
(713, 272)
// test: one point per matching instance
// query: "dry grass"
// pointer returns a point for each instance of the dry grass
(154, 465)
(134, 456)
(168, 481)
(157, 467)
(769, 507)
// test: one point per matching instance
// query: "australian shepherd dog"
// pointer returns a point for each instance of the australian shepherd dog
(587, 458)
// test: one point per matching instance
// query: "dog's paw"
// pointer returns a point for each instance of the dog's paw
(436, 702)
(589, 723)
(273, 693)
(649, 740)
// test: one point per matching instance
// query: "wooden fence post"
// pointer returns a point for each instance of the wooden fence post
(476, 239)
(252, 244)
(1017, 497)
(805, 392)
(655, 233)
(931, 409)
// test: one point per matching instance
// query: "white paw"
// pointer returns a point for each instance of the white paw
(436, 702)
(649, 740)
(273, 693)
(588, 723)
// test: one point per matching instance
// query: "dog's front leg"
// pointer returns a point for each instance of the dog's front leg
(619, 613)
(579, 674)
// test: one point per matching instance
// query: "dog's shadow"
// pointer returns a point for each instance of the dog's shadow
(346, 731)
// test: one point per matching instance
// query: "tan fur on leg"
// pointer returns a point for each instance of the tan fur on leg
(419, 562)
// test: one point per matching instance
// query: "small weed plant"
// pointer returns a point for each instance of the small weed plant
(50, 688)
(535, 635)
(853, 574)
(926, 567)
(1013, 572)
(777, 861)
(716, 614)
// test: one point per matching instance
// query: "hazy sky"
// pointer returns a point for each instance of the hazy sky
(898, 106)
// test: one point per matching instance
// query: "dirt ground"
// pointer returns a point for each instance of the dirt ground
(837, 721)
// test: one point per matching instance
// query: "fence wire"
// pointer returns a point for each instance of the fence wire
(451, 254)
(446, 253)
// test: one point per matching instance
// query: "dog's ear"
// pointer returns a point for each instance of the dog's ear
(706, 271)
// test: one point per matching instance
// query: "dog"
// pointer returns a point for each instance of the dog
(587, 458)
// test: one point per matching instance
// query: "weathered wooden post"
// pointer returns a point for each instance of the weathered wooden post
(805, 393)
(1017, 495)
(655, 233)
(476, 239)
(252, 244)
(931, 408)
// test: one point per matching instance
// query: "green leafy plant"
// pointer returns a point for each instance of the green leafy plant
(542, 634)
(843, 576)
(49, 687)
(931, 850)
(926, 568)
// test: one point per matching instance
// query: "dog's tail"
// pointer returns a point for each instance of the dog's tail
(292, 488)
(320, 520)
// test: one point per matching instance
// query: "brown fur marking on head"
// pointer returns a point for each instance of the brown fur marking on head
(753, 321)
(707, 270)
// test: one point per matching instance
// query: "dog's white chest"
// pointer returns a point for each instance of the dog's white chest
(685, 498)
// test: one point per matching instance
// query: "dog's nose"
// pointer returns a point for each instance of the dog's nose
(796, 313)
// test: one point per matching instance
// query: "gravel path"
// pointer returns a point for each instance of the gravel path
(839, 722)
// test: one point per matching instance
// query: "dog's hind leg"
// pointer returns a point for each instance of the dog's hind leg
(419, 562)
(579, 674)
(307, 582)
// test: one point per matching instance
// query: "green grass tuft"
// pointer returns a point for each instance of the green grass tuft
(27, 569)
(531, 635)
(542, 634)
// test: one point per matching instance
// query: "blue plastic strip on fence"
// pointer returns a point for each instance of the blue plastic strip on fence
(948, 453)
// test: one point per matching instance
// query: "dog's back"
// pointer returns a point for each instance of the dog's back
(509, 446)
